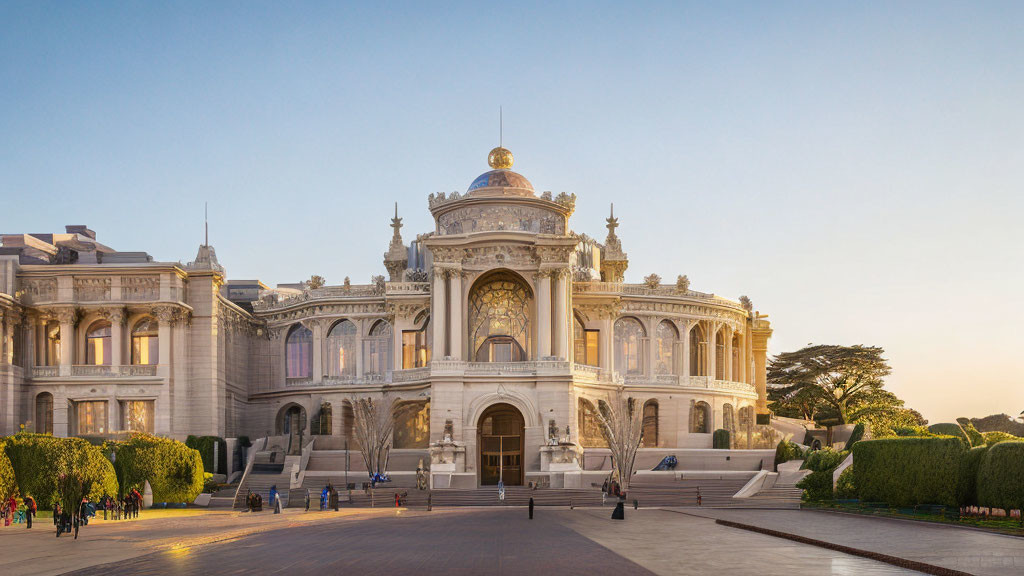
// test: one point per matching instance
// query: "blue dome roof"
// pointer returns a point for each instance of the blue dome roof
(500, 179)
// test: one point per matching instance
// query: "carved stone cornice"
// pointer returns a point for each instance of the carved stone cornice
(602, 311)
(116, 315)
(553, 254)
(64, 315)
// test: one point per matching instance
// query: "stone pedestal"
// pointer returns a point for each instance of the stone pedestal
(446, 459)
(562, 457)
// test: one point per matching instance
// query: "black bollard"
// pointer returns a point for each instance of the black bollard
(636, 504)
(531, 507)
(429, 502)
(620, 510)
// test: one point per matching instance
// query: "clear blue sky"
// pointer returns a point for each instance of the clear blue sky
(855, 169)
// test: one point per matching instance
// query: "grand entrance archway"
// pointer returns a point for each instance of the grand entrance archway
(501, 445)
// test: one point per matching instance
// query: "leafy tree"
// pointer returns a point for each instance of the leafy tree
(844, 383)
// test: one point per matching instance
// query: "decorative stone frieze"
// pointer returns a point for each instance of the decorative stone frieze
(91, 289)
(140, 288)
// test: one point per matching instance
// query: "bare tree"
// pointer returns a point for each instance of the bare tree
(374, 426)
(621, 422)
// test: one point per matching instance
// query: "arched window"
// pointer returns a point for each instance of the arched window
(97, 344)
(697, 348)
(629, 335)
(412, 425)
(720, 355)
(44, 413)
(416, 345)
(50, 355)
(735, 357)
(650, 424)
(342, 341)
(666, 342)
(585, 344)
(729, 419)
(348, 425)
(499, 318)
(145, 342)
(299, 352)
(589, 429)
(323, 421)
(700, 417)
(377, 358)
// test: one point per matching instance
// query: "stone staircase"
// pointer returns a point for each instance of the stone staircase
(784, 496)
(224, 498)
(267, 470)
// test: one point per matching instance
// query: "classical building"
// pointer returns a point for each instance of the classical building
(492, 336)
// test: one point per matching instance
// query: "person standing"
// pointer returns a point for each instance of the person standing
(273, 496)
(307, 499)
(30, 509)
(501, 490)
(12, 507)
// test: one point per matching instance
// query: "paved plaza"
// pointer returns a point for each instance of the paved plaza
(497, 541)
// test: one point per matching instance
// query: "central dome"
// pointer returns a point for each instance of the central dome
(501, 177)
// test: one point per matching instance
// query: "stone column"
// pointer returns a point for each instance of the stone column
(543, 315)
(561, 299)
(686, 350)
(164, 316)
(742, 376)
(651, 355)
(318, 350)
(759, 336)
(712, 349)
(437, 317)
(66, 317)
(116, 318)
(606, 344)
(728, 356)
(455, 344)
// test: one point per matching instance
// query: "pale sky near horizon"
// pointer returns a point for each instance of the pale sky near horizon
(855, 169)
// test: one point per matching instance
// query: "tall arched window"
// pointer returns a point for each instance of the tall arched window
(299, 352)
(322, 423)
(412, 425)
(650, 424)
(629, 335)
(377, 358)
(585, 344)
(97, 344)
(342, 343)
(416, 345)
(50, 355)
(720, 355)
(44, 413)
(665, 353)
(499, 318)
(145, 342)
(588, 427)
(697, 348)
(700, 417)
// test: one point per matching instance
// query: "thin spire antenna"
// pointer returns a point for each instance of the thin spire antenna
(206, 223)
(501, 127)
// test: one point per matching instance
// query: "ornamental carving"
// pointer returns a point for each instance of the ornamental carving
(556, 254)
(490, 256)
(39, 289)
(115, 316)
(499, 217)
(599, 311)
(92, 289)
(138, 288)
(684, 310)
(353, 309)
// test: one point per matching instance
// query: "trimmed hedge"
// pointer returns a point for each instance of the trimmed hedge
(39, 461)
(824, 460)
(817, 485)
(856, 436)
(204, 444)
(967, 490)
(174, 471)
(972, 433)
(8, 485)
(1001, 476)
(909, 471)
(787, 451)
(846, 488)
(996, 437)
(720, 440)
(950, 429)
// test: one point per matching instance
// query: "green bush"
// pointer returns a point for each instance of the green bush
(817, 486)
(40, 460)
(912, 431)
(787, 451)
(824, 460)
(846, 488)
(909, 471)
(967, 488)
(856, 436)
(950, 429)
(8, 485)
(1001, 476)
(996, 437)
(972, 433)
(174, 471)
(204, 444)
(720, 440)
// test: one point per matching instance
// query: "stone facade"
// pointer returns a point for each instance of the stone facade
(501, 305)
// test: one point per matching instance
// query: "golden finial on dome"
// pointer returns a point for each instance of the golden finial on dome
(500, 158)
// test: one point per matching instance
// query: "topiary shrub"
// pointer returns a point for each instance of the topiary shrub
(8, 484)
(174, 471)
(856, 436)
(1001, 477)
(909, 471)
(991, 438)
(720, 440)
(817, 485)
(973, 435)
(912, 431)
(40, 461)
(846, 487)
(967, 488)
(950, 429)
(205, 444)
(787, 451)
(824, 460)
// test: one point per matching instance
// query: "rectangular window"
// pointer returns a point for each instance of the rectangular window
(592, 358)
(137, 416)
(414, 349)
(91, 417)
(501, 352)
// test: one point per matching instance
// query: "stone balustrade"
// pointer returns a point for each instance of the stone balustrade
(93, 371)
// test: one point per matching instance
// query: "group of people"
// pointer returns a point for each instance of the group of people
(611, 487)
(67, 521)
(328, 498)
(13, 513)
(253, 502)
(126, 508)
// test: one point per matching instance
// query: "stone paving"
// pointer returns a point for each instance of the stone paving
(973, 551)
(497, 541)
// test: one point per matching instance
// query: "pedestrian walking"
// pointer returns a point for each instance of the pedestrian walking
(12, 507)
(307, 499)
(501, 490)
(273, 496)
(30, 509)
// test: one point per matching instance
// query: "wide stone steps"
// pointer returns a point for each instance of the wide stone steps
(261, 483)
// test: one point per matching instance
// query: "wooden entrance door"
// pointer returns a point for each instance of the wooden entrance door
(501, 446)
